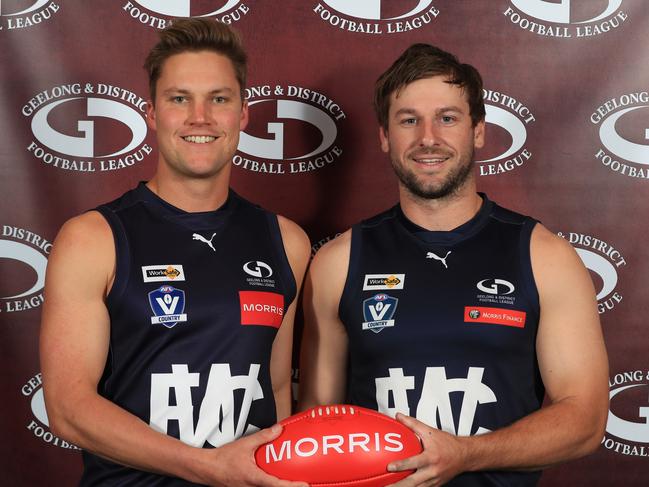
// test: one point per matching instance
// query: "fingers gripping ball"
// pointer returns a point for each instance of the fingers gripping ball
(339, 446)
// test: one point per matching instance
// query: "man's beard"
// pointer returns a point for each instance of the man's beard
(450, 186)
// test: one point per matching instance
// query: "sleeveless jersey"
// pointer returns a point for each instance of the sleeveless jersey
(195, 306)
(442, 325)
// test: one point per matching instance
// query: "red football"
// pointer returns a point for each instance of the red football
(339, 446)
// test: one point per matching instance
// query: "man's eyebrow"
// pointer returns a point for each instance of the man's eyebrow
(413, 111)
(184, 91)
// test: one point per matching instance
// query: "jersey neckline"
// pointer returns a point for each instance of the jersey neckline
(448, 237)
(193, 220)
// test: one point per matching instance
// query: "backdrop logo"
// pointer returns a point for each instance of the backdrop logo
(87, 127)
(603, 260)
(628, 415)
(39, 424)
(624, 134)
(377, 16)
(293, 130)
(160, 13)
(24, 254)
(512, 118)
(566, 18)
(33, 13)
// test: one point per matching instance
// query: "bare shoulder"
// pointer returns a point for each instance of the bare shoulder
(561, 277)
(292, 234)
(84, 247)
(551, 253)
(334, 255)
(87, 227)
(296, 244)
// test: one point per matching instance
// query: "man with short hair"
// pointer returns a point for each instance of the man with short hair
(167, 333)
(450, 312)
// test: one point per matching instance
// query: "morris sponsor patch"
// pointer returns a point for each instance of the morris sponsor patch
(494, 316)
(261, 308)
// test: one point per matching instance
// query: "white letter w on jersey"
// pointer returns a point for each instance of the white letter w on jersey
(216, 420)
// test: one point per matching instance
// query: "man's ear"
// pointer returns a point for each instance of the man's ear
(383, 137)
(478, 135)
(243, 122)
(150, 115)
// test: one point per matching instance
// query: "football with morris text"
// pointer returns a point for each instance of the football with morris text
(338, 445)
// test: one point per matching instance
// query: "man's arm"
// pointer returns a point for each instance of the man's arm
(74, 344)
(298, 250)
(323, 357)
(574, 367)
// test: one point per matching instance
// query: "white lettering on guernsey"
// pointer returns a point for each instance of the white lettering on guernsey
(334, 444)
(264, 308)
(435, 400)
(216, 419)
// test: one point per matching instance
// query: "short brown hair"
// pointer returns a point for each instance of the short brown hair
(196, 34)
(421, 61)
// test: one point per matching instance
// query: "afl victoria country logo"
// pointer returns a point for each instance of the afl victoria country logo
(603, 260)
(627, 428)
(160, 13)
(23, 259)
(39, 424)
(377, 16)
(293, 130)
(566, 18)
(624, 134)
(26, 14)
(87, 127)
(512, 118)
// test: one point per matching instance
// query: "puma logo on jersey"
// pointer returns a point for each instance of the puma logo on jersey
(432, 255)
(196, 236)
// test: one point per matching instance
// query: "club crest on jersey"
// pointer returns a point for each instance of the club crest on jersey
(378, 312)
(377, 282)
(168, 305)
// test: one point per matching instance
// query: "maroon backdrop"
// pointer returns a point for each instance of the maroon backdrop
(568, 128)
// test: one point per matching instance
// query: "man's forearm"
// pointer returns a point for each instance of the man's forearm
(103, 428)
(556, 433)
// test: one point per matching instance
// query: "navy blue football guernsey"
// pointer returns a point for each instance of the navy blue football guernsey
(195, 306)
(442, 325)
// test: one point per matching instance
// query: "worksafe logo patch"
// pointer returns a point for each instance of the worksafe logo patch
(627, 428)
(566, 18)
(23, 259)
(378, 312)
(292, 130)
(159, 273)
(377, 282)
(87, 127)
(604, 262)
(168, 305)
(377, 16)
(18, 14)
(506, 147)
(623, 133)
(39, 423)
(158, 14)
